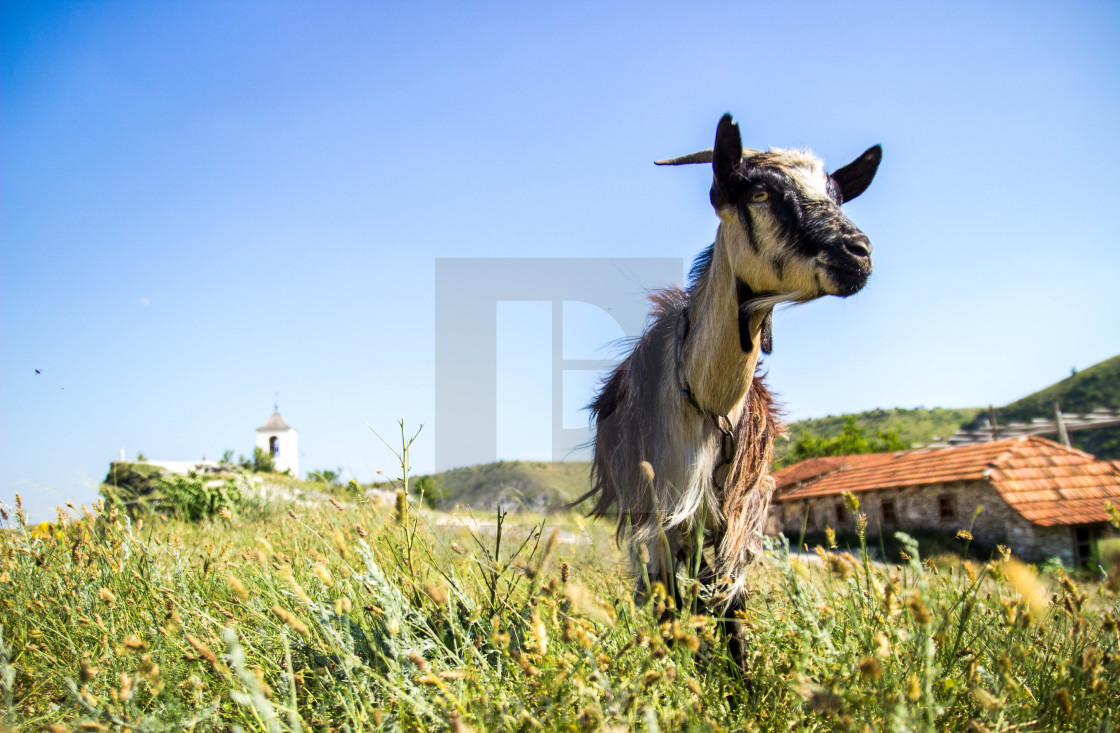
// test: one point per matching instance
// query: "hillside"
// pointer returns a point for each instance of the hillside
(915, 426)
(1095, 387)
(523, 485)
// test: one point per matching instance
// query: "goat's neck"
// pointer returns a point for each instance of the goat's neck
(715, 366)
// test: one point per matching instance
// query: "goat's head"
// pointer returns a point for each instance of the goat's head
(782, 228)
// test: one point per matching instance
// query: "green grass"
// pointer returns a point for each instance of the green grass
(361, 617)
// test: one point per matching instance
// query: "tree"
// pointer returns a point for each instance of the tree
(326, 475)
(261, 462)
(852, 440)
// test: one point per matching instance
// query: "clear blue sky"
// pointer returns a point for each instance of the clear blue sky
(203, 204)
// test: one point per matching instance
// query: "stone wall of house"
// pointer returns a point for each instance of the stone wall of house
(920, 508)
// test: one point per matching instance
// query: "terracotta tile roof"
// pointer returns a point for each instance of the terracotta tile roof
(1047, 483)
(812, 468)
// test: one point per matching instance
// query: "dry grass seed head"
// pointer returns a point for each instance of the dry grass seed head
(202, 650)
(291, 620)
(438, 595)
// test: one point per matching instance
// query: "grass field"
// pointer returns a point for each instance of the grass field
(356, 616)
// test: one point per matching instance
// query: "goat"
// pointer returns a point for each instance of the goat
(684, 425)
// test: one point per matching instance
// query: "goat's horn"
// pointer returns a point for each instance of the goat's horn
(703, 156)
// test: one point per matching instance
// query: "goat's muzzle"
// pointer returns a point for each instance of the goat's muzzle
(847, 261)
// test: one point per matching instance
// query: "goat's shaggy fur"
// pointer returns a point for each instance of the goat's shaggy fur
(782, 238)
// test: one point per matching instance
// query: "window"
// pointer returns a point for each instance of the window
(841, 514)
(274, 446)
(890, 516)
(947, 507)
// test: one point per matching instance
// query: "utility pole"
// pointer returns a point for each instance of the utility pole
(1062, 434)
(992, 423)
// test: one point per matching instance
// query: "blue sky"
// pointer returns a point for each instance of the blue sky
(204, 204)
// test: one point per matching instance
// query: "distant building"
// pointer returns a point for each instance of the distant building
(1040, 498)
(280, 441)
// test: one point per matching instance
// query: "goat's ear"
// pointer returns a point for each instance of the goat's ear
(726, 154)
(854, 178)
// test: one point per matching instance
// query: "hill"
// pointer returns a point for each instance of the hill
(916, 426)
(523, 485)
(1086, 390)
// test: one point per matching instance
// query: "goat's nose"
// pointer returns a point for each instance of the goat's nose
(858, 246)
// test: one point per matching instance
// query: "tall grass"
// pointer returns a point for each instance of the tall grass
(362, 617)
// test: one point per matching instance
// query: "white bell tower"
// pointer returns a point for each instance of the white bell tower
(278, 439)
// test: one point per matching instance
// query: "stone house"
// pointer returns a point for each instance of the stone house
(1039, 498)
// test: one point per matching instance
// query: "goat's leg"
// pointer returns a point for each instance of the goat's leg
(656, 561)
(728, 616)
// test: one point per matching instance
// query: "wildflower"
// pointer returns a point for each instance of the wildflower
(540, 633)
(224, 513)
(134, 643)
(87, 673)
(914, 688)
(438, 595)
(1061, 697)
(870, 668)
(918, 609)
(1113, 514)
(824, 701)
(106, 595)
(565, 572)
(830, 537)
(337, 505)
(1024, 581)
(964, 534)
(647, 470)
(292, 514)
(459, 549)
(419, 661)
(343, 605)
(361, 530)
(852, 501)
(650, 677)
(693, 686)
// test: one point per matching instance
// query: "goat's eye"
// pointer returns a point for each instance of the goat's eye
(760, 195)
